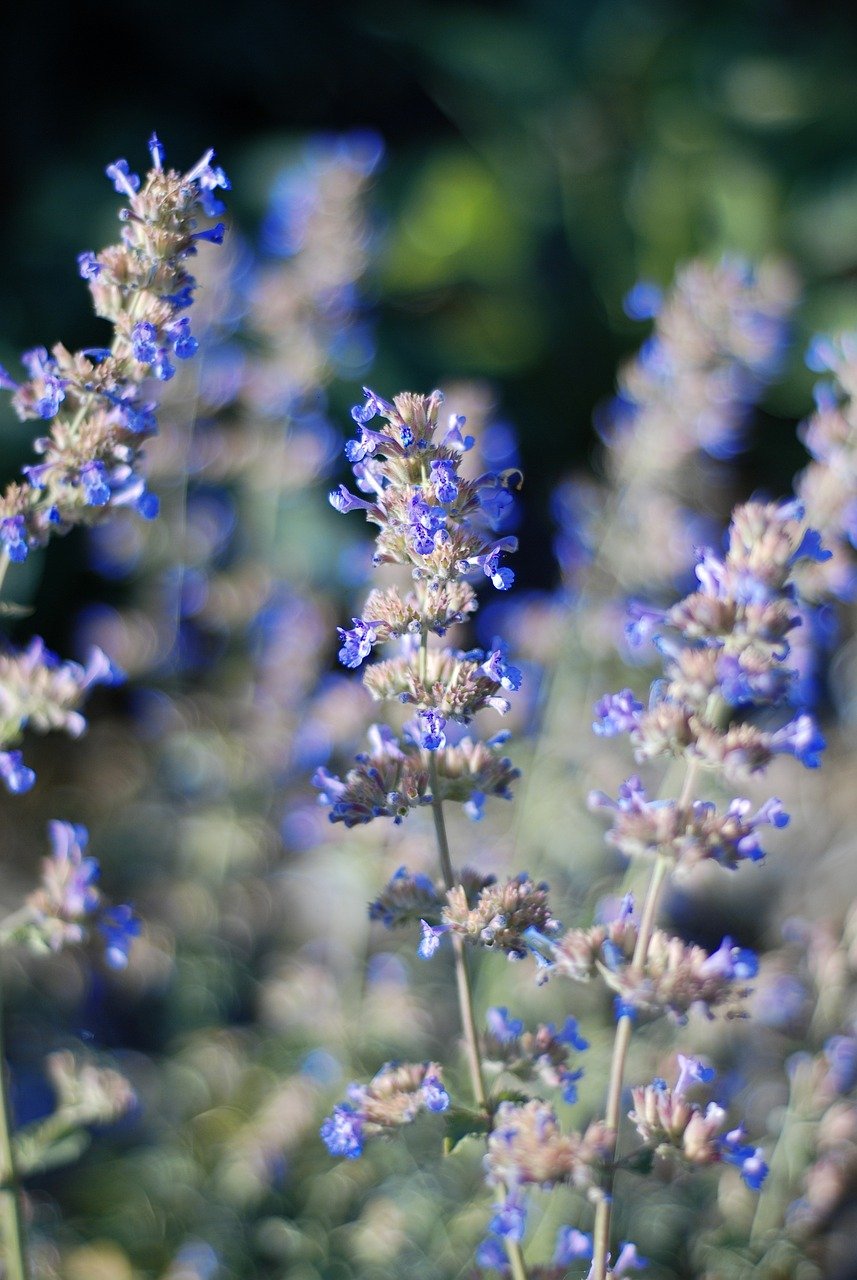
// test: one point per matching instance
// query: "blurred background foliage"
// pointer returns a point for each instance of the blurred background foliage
(540, 158)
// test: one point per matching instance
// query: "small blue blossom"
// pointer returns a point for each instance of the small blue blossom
(628, 1260)
(214, 235)
(342, 1132)
(571, 1245)
(475, 806)
(435, 1096)
(810, 548)
(16, 776)
(841, 1055)
(445, 480)
(13, 535)
(119, 926)
(148, 505)
(454, 439)
(510, 1220)
(144, 342)
(184, 343)
(93, 477)
(748, 1159)
(491, 1254)
(802, 739)
(498, 669)
(570, 1034)
(617, 713)
(88, 266)
(356, 643)
(503, 1027)
(342, 500)
(731, 963)
(430, 727)
(431, 939)
(691, 1071)
(156, 151)
(124, 182)
(643, 301)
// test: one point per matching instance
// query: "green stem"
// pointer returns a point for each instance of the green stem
(11, 1207)
(464, 989)
(622, 1043)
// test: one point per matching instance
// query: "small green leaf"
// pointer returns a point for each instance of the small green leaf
(461, 1123)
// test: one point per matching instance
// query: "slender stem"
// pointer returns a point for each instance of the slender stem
(462, 975)
(11, 1208)
(622, 1043)
(465, 994)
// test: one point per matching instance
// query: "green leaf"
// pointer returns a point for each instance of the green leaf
(461, 1123)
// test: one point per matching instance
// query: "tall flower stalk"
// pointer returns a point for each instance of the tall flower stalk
(438, 525)
(90, 465)
(719, 706)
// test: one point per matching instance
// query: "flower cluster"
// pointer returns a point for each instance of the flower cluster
(502, 915)
(828, 486)
(527, 1147)
(409, 897)
(691, 834)
(393, 1097)
(94, 398)
(541, 1055)
(724, 649)
(675, 978)
(40, 692)
(393, 777)
(672, 1125)
(436, 523)
(717, 339)
(68, 907)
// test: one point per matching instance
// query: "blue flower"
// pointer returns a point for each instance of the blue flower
(357, 643)
(93, 477)
(617, 713)
(691, 1071)
(643, 301)
(430, 727)
(16, 776)
(184, 343)
(498, 669)
(628, 1260)
(802, 739)
(491, 1254)
(119, 927)
(570, 1034)
(571, 1245)
(88, 266)
(435, 1097)
(445, 480)
(144, 342)
(748, 1159)
(510, 1220)
(124, 182)
(501, 1026)
(342, 1132)
(13, 535)
(431, 939)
